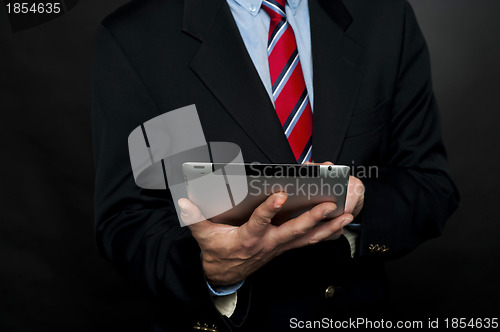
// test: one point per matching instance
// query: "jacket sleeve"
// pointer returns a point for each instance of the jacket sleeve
(136, 229)
(413, 194)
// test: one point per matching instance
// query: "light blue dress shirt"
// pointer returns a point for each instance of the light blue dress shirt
(253, 24)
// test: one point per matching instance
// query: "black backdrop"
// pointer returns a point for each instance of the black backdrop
(53, 279)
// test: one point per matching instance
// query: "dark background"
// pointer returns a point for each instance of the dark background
(51, 275)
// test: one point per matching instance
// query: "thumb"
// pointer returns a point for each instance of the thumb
(189, 213)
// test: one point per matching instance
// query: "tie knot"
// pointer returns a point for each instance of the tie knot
(274, 8)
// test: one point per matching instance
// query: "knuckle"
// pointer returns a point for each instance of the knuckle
(296, 229)
(249, 244)
(259, 210)
(269, 244)
(298, 232)
(335, 227)
(261, 216)
(315, 214)
(268, 248)
(265, 219)
(313, 240)
(311, 214)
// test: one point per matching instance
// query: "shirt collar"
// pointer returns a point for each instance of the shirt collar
(253, 6)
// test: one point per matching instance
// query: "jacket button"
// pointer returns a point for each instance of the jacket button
(329, 292)
(205, 327)
(377, 248)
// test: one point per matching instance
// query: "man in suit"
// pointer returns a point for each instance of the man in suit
(367, 71)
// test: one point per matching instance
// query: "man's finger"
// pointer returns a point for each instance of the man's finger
(299, 226)
(355, 196)
(359, 206)
(324, 163)
(263, 214)
(325, 231)
(335, 235)
(322, 232)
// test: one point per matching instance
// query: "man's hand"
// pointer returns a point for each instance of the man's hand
(355, 193)
(355, 196)
(230, 254)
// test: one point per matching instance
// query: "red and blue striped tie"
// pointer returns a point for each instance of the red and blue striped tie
(291, 99)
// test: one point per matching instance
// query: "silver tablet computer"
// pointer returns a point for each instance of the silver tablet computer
(228, 193)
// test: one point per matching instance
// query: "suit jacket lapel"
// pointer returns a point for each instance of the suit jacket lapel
(225, 67)
(338, 63)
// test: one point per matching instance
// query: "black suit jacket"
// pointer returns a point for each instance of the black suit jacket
(373, 106)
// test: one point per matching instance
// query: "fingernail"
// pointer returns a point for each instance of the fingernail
(346, 221)
(280, 200)
(184, 208)
(327, 212)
